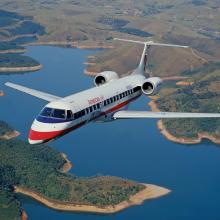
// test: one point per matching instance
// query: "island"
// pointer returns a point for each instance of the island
(40, 171)
(16, 31)
(2, 93)
(6, 132)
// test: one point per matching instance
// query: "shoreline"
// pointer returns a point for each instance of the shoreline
(73, 44)
(20, 69)
(2, 93)
(13, 51)
(10, 135)
(68, 164)
(179, 140)
(90, 73)
(150, 192)
(24, 215)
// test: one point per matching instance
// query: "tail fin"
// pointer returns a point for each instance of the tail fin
(143, 62)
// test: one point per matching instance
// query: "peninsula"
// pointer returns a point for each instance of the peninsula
(6, 132)
(149, 192)
(20, 69)
(49, 170)
(196, 95)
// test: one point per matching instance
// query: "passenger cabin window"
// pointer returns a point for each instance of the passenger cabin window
(59, 113)
(137, 89)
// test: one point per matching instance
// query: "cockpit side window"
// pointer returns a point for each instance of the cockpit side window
(69, 114)
(46, 112)
(59, 113)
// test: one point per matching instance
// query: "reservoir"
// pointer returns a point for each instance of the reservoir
(132, 149)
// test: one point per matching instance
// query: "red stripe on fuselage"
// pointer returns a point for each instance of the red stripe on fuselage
(38, 135)
(46, 136)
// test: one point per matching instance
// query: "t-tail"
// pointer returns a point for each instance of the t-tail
(143, 62)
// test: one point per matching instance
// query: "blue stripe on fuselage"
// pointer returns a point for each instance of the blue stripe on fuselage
(52, 120)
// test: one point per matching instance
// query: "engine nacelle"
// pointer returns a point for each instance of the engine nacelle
(151, 86)
(105, 77)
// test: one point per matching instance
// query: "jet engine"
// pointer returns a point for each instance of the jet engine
(105, 77)
(151, 86)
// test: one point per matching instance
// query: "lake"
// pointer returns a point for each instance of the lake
(132, 149)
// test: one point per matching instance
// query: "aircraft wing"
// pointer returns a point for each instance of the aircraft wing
(148, 114)
(33, 92)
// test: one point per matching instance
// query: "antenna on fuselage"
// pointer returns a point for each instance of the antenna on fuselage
(143, 62)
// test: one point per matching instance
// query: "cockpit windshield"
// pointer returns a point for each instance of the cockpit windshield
(56, 113)
(46, 112)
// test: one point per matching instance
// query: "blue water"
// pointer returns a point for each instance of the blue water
(133, 149)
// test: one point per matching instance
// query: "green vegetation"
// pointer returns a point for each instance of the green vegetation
(43, 176)
(16, 60)
(202, 96)
(9, 206)
(4, 128)
(16, 30)
(26, 27)
(37, 168)
(119, 26)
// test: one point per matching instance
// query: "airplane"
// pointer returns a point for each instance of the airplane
(105, 102)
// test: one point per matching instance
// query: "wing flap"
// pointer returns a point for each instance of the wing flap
(33, 92)
(160, 115)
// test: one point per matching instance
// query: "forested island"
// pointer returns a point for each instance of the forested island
(37, 171)
(15, 32)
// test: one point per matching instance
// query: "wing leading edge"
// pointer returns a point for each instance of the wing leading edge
(148, 114)
(33, 92)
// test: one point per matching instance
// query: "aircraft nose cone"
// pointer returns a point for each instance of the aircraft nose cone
(35, 141)
(34, 137)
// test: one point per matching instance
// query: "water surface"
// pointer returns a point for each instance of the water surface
(132, 149)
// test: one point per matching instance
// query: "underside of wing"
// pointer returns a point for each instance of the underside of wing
(148, 114)
(33, 92)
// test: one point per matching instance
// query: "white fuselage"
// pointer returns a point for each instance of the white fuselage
(95, 104)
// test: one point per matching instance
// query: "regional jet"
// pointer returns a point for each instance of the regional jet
(105, 102)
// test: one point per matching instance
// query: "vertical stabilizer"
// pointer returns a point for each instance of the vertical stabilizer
(143, 62)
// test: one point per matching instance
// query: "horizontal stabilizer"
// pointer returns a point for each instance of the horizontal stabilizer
(148, 114)
(151, 43)
(33, 92)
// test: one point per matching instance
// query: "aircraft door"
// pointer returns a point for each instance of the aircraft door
(76, 111)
